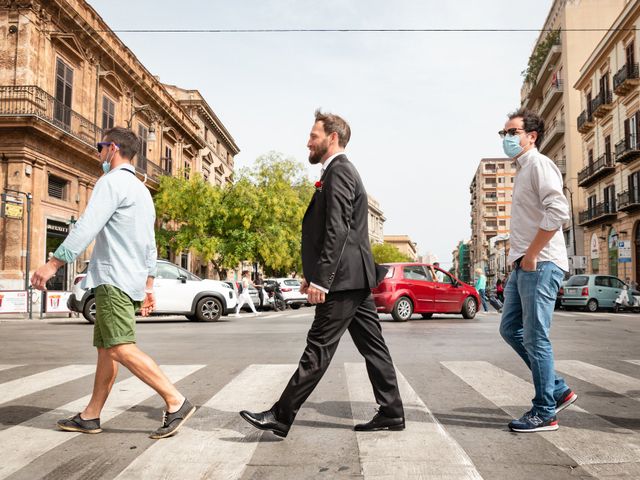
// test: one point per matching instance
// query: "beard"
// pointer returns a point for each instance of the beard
(316, 156)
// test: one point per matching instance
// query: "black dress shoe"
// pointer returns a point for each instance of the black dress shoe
(266, 421)
(381, 422)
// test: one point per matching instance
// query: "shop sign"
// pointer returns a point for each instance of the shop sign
(12, 207)
(595, 247)
(13, 301)
(57, 301)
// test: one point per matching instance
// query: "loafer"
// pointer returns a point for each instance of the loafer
(78, 424)
(171, 422)
(266, 421)
(381, 422)
(566, 399)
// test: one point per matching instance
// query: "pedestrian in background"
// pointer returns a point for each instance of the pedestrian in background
(538, 253)
(120, 217)
(500, 290)
(481, 287)
(244, 296)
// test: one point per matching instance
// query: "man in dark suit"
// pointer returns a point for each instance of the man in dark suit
(339, 273)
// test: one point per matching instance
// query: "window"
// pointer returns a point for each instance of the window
(415, 272)
(604, 86)
(589, 100)
(490, 166)
(610, 198)
(601, 281)
(143, 135)
(607, 148)
(57, 187)
(501, 166)
(615, 282)
(167, 161)
(590, 156)
(166, 270)
(501, 208)
(64, 92)
(184, 261)
(630, 56)
(108, 113)
(634, 186)
(578, 281)
(501, 180)
(503, 222)
(632, 131)
(187, 169)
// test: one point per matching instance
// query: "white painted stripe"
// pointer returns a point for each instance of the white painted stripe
(599, 446)
(635, 362)
(423, 450)
(607, 379)
(8, 367)
(22, 444)
(210, 445)
(40, 381)
(301, 315)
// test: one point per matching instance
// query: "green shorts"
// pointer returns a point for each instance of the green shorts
(115, 317)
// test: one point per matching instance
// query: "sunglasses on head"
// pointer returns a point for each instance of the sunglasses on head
(511, 132)
(101, 145)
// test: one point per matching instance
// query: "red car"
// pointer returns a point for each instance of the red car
(410, 288)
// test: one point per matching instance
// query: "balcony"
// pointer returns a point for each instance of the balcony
(552, 58)
(561, 163)
(585, 121)
(490, 199)
(555, 133)
(626, 79)
(601, 167)
(627, 150)
(32, 101)
(602, 104)
(599, 212)
(551, 97)
(629, 200)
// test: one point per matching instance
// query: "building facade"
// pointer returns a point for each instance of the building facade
(65, 77)
(404, 244)
(569, 35)
(491, 190)
(462, 261)
(376, 221)
(609, 88)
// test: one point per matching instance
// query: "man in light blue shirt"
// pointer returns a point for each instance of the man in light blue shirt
(120, 217)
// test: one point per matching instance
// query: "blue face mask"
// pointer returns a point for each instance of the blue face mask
(106, 166)
(511, 146)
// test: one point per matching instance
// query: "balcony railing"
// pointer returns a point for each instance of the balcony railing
(629, 200)
(551, 96)
(597, 213)
(601, 167)
(32, 101)
(602, 104)
(627, 149)
(552, 135)
(626, 78)
(585, 121)
(561, 163)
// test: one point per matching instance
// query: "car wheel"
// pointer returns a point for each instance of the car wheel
(427, 316)
(295, 306)
(592, 305)
(208, 309)
(89, 310)
(469, 308)
(402, 310)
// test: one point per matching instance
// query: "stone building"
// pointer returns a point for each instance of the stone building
(64, 78)
(376, 221)
(404, 244)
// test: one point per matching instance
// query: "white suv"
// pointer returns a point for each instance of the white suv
(177, 292)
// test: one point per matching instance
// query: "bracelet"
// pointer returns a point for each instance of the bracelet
(148, 290)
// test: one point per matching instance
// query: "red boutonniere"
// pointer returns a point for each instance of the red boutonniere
(318, 186)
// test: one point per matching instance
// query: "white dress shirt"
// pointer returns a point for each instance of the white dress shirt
(538, 203)
(325, 165)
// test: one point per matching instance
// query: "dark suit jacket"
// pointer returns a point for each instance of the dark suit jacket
(336, 253)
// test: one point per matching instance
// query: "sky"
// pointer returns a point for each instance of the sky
(424, 107)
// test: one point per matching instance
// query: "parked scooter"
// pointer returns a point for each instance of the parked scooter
(276, 299)
(628, 300)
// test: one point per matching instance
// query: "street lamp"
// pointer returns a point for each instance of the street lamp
(573, 225)
(151, 136)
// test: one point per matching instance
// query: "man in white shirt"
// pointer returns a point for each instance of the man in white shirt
(538, 253)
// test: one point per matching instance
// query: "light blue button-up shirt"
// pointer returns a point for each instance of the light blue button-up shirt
(120, 216)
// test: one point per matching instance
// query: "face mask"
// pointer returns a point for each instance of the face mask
(106, 165)
(511, 146)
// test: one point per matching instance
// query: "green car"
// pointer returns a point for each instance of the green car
(591, 292)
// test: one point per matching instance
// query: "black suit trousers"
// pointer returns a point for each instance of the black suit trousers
(352, 310)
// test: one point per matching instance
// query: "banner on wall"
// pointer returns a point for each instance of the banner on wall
(13, 301)
(57, 301)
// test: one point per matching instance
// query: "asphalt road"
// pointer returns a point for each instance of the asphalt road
(460, 383)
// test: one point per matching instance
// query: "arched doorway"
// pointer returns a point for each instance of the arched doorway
(613, 252)
(636, 249)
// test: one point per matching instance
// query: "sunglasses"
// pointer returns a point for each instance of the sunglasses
(101, 145)
(511, 132)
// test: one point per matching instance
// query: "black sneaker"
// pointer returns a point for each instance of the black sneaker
(532, 422)
(566, 399)
(171, 422)
(78, 424)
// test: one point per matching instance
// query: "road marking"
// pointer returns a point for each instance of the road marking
(600, 447)
(8, 367)
(607, 379)
(24, 386)
(22, 444)
(635, 362)
(211, 446)
(423, 450)
(301, 315)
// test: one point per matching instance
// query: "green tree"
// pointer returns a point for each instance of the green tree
(387, 253)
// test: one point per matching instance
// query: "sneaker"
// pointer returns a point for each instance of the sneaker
(531, 422)
(79, 424)
(171, 422)
(236, 314)
(566, 399)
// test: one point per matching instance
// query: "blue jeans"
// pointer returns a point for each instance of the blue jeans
(529, 300)
(483, 298)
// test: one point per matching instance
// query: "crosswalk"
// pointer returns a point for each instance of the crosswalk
(217, 444)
